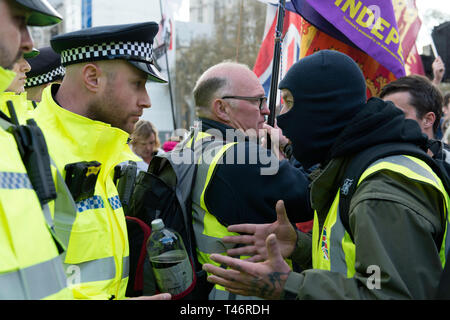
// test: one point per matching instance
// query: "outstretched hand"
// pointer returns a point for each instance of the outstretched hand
(263, 279)
(255, 240)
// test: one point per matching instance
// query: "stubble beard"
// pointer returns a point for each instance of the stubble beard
(105, 109)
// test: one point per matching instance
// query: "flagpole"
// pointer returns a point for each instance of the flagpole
(168, 74)
(276, 67)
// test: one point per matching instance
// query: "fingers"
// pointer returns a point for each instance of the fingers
(234, 263)
(238, 239)
(243, 251)
(255, 258)
(227, 261)
(228, 278)
(275, 257)
(222, 282)
(273, 250)
(250, 253)
(281, 213)
(229, 274)
(231, 286)
(242, 228)
(233, 281)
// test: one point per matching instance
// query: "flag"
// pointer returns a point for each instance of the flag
(163, 43)
(290, 52)
(409, 24)
(376, 75)
(414, 63)
(377, 34)
(370, 25)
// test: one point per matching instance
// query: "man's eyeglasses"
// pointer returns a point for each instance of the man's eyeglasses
(262, 100)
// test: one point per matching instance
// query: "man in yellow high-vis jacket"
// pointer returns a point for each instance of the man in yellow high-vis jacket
(394, 246)
(31, 266)
(237, 180)
(86, 121)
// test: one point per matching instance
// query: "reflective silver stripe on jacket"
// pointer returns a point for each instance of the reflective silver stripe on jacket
(65, 209)
(337, 258)
(33, 283)
(407, 163)
(99, 269)
(126, 267)
(96, 270)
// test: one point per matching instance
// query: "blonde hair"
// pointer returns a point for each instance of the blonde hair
(143, 129)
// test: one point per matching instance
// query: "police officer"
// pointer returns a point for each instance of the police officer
(45, 68)
(87, 121)
(16, 92)
(31, 266)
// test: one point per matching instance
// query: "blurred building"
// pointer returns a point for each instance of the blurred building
(109, 12)
(70, 10)
(208, 11)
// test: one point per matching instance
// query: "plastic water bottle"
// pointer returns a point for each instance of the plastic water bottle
(169, 259)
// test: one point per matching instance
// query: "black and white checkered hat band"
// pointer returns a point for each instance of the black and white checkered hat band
(141, 51)
(46, 77)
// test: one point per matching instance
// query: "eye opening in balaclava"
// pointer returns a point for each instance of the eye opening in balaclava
(328, 89)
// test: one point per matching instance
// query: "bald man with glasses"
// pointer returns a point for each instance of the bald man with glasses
(237, 181)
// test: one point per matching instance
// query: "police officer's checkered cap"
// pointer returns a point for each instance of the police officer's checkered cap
(48, 77)
(139, 51)
(130, 42)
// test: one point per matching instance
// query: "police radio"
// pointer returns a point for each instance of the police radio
(34, 153)
(81, 178)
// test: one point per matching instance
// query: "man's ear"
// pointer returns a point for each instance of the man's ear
(91, 74)
(220, 110)
(428, 120)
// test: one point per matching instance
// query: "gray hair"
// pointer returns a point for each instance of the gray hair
(212, 84)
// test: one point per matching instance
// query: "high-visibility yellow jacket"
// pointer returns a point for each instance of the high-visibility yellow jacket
(97, 254)
(22, 106)
(333, 248)
(30, 263)
(208, 230)
(398, 216)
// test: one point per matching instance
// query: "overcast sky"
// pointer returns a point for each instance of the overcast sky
(424, 37)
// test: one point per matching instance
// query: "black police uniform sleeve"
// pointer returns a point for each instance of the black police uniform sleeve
(240, 193)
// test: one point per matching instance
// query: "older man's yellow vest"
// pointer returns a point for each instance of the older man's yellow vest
(207, 229)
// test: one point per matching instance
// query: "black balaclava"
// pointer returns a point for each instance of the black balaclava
(328, 89)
